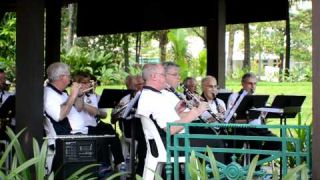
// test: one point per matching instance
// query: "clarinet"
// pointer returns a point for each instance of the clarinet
(188, 104)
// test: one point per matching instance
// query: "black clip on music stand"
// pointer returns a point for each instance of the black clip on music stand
(248, 102)
(110, 98)
(288, 106)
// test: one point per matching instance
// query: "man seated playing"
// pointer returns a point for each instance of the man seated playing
(64, 111)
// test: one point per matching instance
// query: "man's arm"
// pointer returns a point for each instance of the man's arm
(188, 117)
(66, 107)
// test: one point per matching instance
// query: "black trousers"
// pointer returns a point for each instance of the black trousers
(139, 137)
(114, 142)
(263, 145)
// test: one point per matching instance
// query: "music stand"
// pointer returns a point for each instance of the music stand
(129, 115)
(111, 97)
(224, 96)
(284, 106)
(248, 102)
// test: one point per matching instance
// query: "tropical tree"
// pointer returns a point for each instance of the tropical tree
(163, 41)
(301, 36)
(179, 47)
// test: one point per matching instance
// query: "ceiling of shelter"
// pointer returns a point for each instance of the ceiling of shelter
(105, 17)
(108, 17)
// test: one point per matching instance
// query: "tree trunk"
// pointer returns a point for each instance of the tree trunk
(138, 46)
(246, 61)
(205, 37)
(230, 51)
(288, 37)
(72, 18)
(163, 41)
(281, 68)
(126, 52)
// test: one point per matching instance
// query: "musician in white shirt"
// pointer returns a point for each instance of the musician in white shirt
(249, 83)
(91, 115)
(209, 92)
(161, 111)
(169, 108)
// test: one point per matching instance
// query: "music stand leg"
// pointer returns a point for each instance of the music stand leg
(133, 148)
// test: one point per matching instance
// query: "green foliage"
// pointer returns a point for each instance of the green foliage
(198, 170)
(202, 58)
(300, 73)
(8, 44)
(301, 134)
(99, 63)
(21, 167)
(300, 27)
(252, 167)
(180, 47)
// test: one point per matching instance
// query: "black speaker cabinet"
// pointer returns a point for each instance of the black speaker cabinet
(73, 154)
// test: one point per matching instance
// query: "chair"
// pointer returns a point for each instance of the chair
(126, 142)
(152, 163)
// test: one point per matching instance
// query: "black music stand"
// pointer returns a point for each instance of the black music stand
(129, 114)
(110, 98)
(284, 106)
(248, 102)
(224, 96)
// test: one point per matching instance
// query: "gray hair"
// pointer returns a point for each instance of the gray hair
(148, 70)
(55, 70)
(168, 65)
(246, 76)
(207, 78)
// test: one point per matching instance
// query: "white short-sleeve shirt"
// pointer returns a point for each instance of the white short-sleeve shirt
(92, 100)
(155, 104)
(53, 99)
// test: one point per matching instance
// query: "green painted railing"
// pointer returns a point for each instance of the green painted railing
(234, 170)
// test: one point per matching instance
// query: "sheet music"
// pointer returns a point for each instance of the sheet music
(130, 106)
(269, 110)
(231, 111)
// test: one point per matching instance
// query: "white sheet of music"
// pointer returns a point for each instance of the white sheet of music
(231, 111)
(269, 109)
